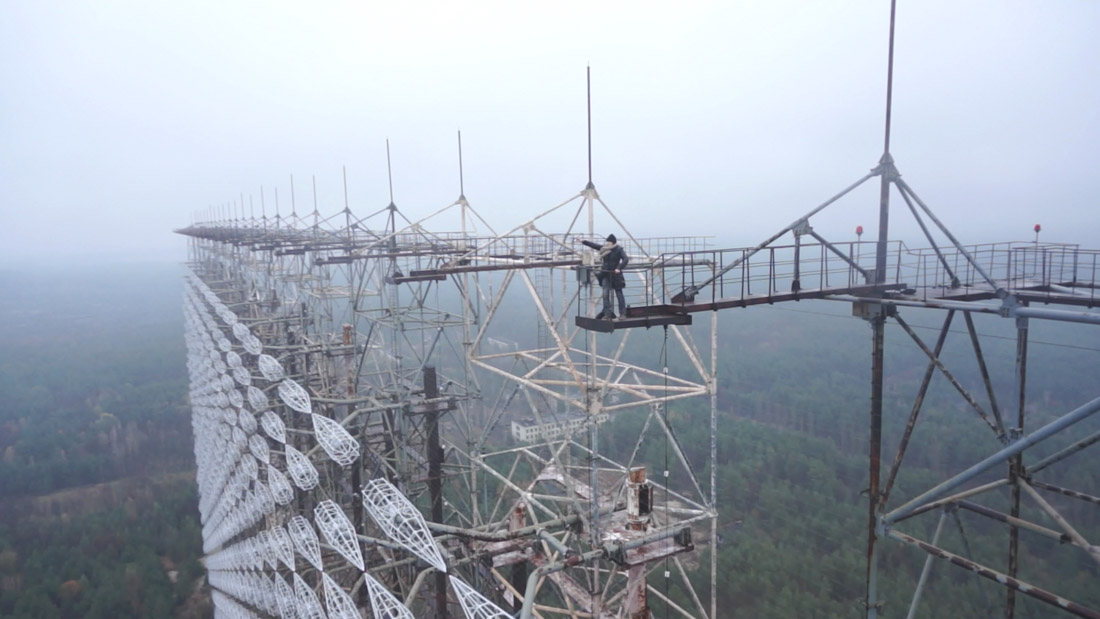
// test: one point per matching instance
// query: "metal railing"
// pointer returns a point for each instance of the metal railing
(785, 272)
(1056, 271)
(771, 272)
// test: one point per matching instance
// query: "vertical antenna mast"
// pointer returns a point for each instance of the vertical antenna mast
(889, 78)
(462, 204)
(886, 164)
(316, 215)
(277, 214)
(393, 207)
(347, 209)
(461, 185)
(589, 189)
(389, 170)
(589, 95)
(344, 169)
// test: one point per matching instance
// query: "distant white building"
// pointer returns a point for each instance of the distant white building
(527, 430)
(502, 344)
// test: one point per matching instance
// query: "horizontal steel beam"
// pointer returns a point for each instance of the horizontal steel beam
(820, 293)
(1062, 315)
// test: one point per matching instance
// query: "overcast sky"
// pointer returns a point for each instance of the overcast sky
(120, 120)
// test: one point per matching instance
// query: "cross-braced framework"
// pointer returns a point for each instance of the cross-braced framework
(365, 398)
(378, 426)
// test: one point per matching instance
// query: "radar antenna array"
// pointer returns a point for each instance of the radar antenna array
(365, 378)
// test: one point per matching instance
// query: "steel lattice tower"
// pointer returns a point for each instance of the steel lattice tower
(338, 385)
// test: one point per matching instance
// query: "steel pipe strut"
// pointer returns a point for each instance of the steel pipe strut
(577, 559)
(903, 187)
(554, 542)
(503, 536)
(1078, 539)
(954, 498)
(962, 306)
(1092, 318)
(903, 445)
(935, 360)
(550, 568)
(926, 570)
(1066, 491)
(1064, 453)
(1008, 581)
(1016, 522)
(1000, 456)
(688, 294)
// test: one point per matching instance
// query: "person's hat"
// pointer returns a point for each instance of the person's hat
(611, 238)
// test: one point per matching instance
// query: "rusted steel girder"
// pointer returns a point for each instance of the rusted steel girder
(1008, 581)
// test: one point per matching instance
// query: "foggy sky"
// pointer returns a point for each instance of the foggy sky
(121, 120)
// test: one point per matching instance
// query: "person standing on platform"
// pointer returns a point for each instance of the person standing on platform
(610, 276)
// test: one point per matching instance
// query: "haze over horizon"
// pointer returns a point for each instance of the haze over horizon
(124, 119)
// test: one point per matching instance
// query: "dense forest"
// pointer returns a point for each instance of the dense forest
(136, 559)
(98, 506)
(98, 512)
(92, 371)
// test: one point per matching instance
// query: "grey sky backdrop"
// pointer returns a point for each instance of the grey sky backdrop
(119, 120)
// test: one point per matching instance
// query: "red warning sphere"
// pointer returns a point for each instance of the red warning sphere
(1038, 227)
(859, 230)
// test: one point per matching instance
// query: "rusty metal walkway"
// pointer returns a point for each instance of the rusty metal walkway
(676, 285)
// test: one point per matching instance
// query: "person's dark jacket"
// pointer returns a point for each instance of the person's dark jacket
(614, 259)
